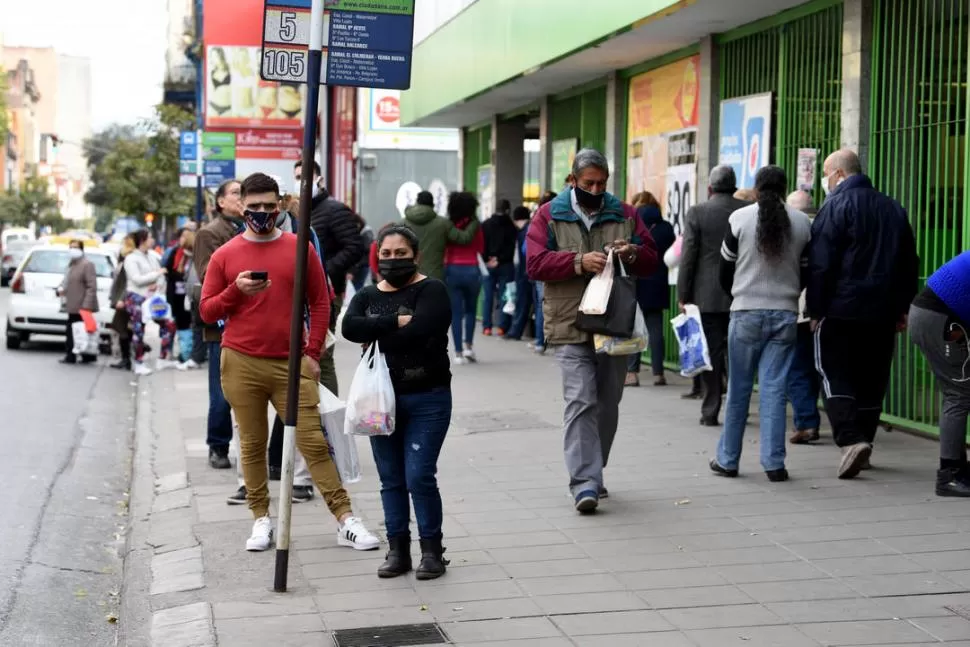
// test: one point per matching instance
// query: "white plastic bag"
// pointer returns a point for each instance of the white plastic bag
(509, 297)
(156, 308)
(597, 294)
(85, 343)
(616, 346)
(370, 403)
(694, 355)
(483, 267)
(343, 449)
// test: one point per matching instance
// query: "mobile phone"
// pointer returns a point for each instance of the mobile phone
(259, 276)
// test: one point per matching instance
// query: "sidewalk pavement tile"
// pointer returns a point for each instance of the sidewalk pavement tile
(674, 558)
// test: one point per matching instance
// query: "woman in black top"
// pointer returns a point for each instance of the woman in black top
(408, 314)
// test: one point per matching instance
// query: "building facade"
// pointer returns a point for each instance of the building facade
(668, 89)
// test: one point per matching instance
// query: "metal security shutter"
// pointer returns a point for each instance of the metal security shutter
(918, 155)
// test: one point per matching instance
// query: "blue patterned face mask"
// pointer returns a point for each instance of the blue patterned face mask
(261, 222)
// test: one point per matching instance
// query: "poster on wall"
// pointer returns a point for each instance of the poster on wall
(662, 104)
(563, 154)
(681, 176)
(486, 191)
(380, 125)
(807, 165)
(745, 136)
(236, 96)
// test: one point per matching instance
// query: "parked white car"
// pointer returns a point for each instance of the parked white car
(35, 308)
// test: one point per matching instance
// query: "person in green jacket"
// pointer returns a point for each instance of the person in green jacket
(434, 233)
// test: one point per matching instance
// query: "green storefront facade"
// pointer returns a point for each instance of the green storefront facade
(887, 78)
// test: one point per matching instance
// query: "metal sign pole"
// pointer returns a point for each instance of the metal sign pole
(315, 65)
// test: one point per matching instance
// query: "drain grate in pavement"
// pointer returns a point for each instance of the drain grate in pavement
(390, 636)
(962, 611)
(509, 420)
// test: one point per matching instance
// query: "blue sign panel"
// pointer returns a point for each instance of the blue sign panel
(745, 137)
(188, 146)
(371, 32)
(218, 171)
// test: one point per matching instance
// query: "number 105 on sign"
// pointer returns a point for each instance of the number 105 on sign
(280, 64)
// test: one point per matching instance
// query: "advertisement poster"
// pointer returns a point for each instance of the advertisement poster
(236, 96)
(563, 153)
(486, 191)
(807, 165)
(681, 176)
(662, 104)
(745, 136)
(380, 125)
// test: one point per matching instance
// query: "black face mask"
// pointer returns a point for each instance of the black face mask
(398, 271)
(591, 201)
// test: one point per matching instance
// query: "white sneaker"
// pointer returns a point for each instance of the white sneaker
(459, 360)
(191, 365)
(141, 369)
(163, 364)
(262, 537)
(355, 535)
(469, 355)
(181, 366)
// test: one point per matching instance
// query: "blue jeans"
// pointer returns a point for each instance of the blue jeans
(803, 382)
(523, 308)
(495, 283)
(540, 320)
(407, 462)
(760, 342)
(464, 284)
(220, 417)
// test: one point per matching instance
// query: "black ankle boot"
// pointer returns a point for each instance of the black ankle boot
(433, 562)
(953, 479)
(398, 561)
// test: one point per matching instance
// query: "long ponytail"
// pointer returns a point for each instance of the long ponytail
(773, 234)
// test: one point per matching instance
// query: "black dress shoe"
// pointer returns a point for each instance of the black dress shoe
(67, 360)
(777, 476)
(722, 471)
(218, 460)
(709, 422)
(692, 395)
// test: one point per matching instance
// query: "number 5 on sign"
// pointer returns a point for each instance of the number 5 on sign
(286, 37)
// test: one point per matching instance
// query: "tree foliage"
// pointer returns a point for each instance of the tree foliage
(33, 203)
(135, 169)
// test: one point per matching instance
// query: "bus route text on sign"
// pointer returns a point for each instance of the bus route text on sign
(368, 42)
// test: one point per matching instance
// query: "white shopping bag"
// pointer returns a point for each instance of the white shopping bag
(370, 403)
(597, 294)
(155, 308)
(343, 448)
(85, 343)
(509, 297)
(694, 355)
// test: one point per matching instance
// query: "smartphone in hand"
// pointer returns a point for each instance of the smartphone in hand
(259, 276)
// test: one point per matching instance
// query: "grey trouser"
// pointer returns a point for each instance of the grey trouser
(592, 386)
(949, 362)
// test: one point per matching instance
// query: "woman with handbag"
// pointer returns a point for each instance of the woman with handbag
(408, 314)
(145, 278)
(79, 289)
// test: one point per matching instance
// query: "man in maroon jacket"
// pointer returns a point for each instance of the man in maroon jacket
(566, 246)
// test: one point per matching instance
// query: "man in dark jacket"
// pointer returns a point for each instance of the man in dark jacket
(699, 281)
(863, 274)
(434, 233)
(500, 240)
(653, 296)
(339, 233)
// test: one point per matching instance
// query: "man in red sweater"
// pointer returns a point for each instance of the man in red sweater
(249, 285)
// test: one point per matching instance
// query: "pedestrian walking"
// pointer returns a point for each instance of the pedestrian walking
(863, 275)
(567, 244)
(463, 276)
(146, 278)
(939, 322)
(407, 314)
(434, 234)
(177, 268)
(79, 290)
(515, 327)
(698, 280)
(500, 235)
(255, 346)
(653, 293)
(803, 383)
(539, 345)
(762, 264)
(121, 322)
(226, 223)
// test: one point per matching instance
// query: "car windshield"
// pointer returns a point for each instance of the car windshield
(54, 261)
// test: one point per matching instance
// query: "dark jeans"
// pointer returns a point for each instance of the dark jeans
(464, 285)
(523, 308)
(495, 284)
(854, 360)
(655, 332)
(407, 462)
(802, 388)
(200, 350)
(219, 433)
(715, 326)
(69, 343)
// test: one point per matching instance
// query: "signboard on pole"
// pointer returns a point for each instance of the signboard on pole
(367, 43)
(745, 137)
(188, 152)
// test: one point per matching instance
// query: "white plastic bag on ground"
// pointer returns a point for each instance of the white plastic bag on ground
(85, 343)
(694, 355)
(597, 294)
(370, 402)
(343, 448)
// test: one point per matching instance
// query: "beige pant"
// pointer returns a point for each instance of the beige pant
(250, 384)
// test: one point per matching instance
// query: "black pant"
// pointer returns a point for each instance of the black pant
(715, 326)
(854, 360)
(69, 343)
(199, 346)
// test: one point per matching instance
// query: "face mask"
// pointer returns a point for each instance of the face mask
(75, 253)
(591, 201)
(261, 222)
(398, 271)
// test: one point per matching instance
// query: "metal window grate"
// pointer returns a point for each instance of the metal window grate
(390, 636)
(477, 152)
(918, 155)
(582, 116)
